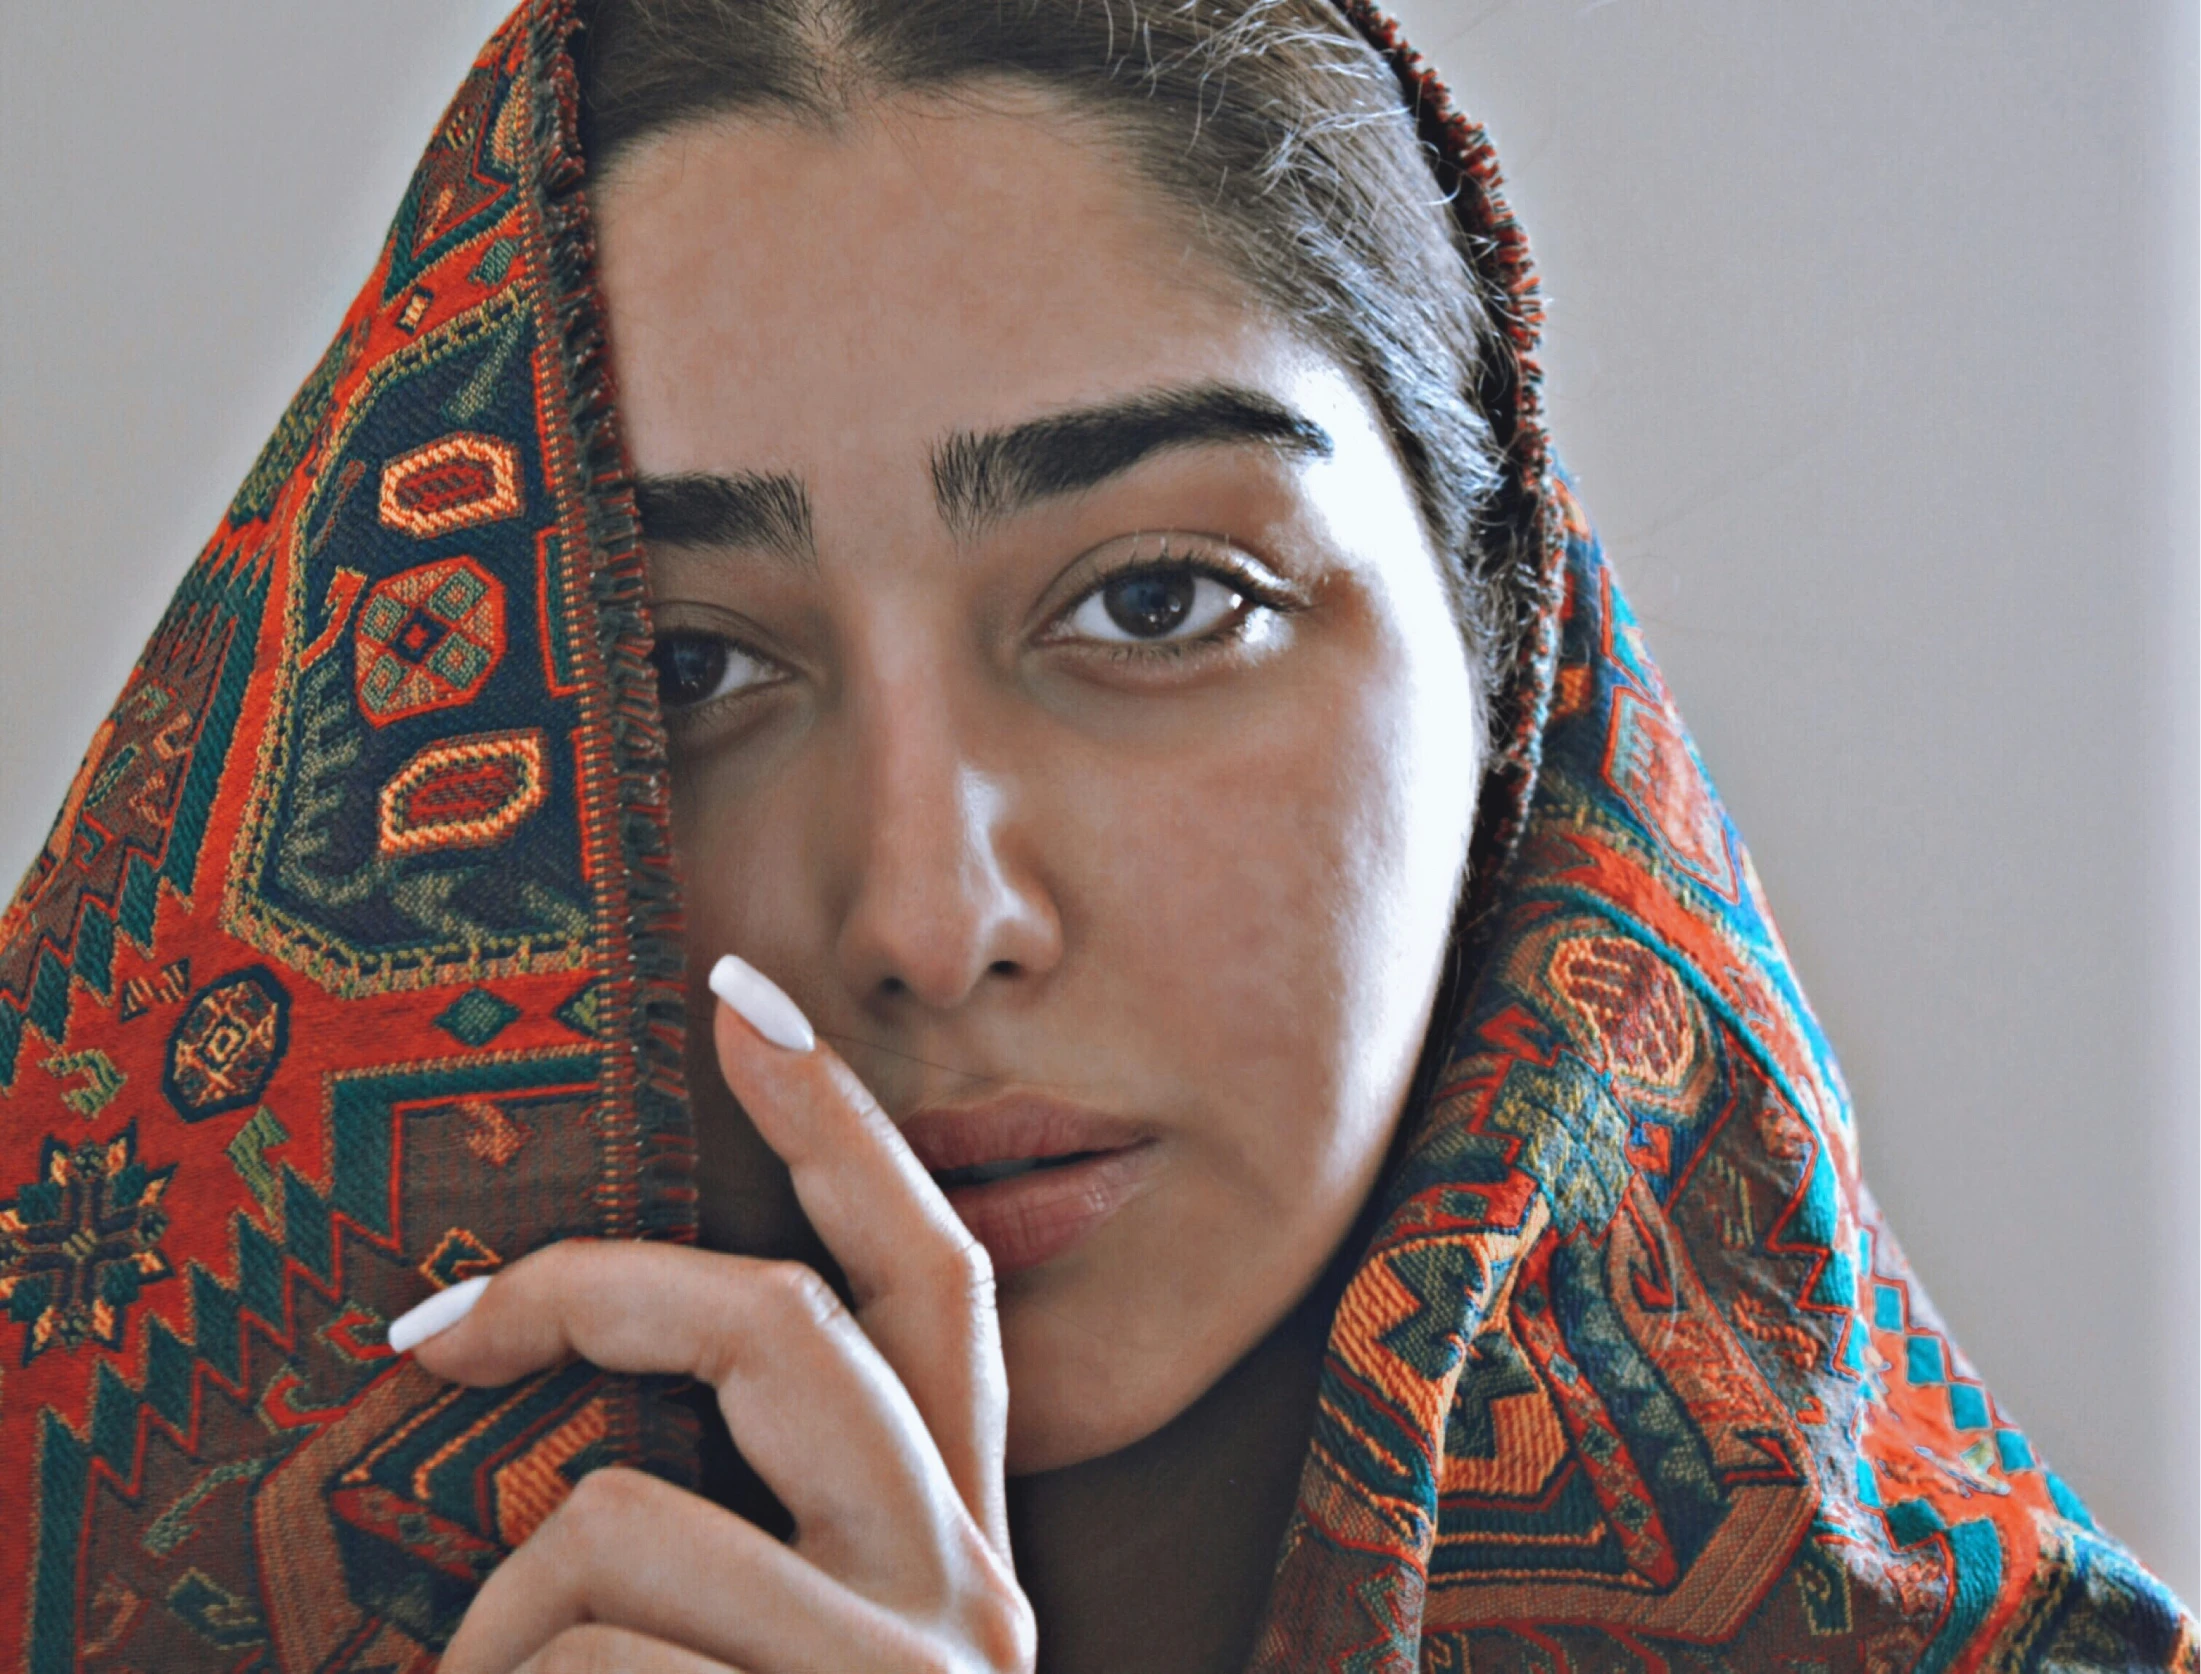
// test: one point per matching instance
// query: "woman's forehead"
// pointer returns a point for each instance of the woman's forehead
(920, 267)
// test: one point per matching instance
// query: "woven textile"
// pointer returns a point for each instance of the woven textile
(350, 970)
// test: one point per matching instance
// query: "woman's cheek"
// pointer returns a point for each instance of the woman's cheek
(1243, 907)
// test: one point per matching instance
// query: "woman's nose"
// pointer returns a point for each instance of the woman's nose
(944, 903)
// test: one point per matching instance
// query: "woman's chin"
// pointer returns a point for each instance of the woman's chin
(1089, 1377)
(1049, 1435)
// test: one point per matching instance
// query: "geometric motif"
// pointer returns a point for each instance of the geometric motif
(247, 1152)
(219, 1616)
(455, 483)
(584, 1012)
(310, 882)
(102, 1081)
(1634, 1005)
(79, 1243)
(228, 1044)
(131, 826)
(459, 1256)
(158, 988)
(476, 1017)
(1651, 764)
(493, 1133)
(464, 182)
(428, 639)
(468, 793)
(228, 1480)
(254, 1433)
(1672, 1481)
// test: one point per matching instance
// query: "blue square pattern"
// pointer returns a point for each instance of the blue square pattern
(1968, 1406)
(1911, 1521)
(1923, 1362)
(1887, 1307)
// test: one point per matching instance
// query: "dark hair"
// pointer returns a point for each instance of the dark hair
(1279, 130)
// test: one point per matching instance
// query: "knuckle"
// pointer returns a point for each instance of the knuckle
(603, 1507)
(587, 1649)
(1007, 1636)
(978, 1269)
(996, 1628)
(1004, 1627)
(544, 1278)
(961, 1268)
(560, 1263)
(799, 1292)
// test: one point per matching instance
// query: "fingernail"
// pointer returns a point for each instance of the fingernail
(439, 1313)
(762, 1004)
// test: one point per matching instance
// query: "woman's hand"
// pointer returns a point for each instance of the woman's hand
(880, 1430)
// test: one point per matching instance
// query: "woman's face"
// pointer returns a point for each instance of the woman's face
(1066, 711)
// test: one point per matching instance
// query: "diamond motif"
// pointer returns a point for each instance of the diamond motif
(477, 1017)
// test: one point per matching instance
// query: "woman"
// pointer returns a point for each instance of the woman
(1038, 522)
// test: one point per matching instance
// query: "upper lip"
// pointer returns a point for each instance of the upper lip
(1011, 1127)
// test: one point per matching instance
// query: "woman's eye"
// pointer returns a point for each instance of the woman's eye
(695, 668)
(1155, 605)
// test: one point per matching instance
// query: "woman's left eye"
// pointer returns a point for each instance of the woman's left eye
(1155, 606)
(694, 668)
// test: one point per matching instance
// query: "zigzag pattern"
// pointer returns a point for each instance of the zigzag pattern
(324, 1235)
(218, 594)
(111, 1449)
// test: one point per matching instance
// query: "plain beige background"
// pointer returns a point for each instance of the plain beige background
(1873, 345)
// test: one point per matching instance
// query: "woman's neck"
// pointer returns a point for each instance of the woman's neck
(1158, 1558)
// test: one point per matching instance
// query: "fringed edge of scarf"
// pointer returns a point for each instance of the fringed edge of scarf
(654, 1027)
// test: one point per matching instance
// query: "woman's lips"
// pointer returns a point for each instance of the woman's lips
(1032, 1217)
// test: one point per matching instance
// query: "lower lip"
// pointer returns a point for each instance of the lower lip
(1031, 1218)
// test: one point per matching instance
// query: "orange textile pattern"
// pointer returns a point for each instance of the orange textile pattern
(1632, 1375)
(351, 970)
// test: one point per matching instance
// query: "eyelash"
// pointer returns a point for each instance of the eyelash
(1257, 592)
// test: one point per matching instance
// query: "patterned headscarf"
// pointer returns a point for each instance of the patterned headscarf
(351, 969)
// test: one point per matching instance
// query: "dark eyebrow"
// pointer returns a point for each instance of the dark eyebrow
(977, 478)
(700, 508)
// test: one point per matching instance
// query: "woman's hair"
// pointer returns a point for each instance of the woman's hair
(1280, 132)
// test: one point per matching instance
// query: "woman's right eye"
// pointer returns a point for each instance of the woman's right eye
(693, 669)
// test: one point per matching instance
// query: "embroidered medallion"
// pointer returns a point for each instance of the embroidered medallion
(467, 794)
(227, 1045)
(78, 1243)
(428, 639)
(453, 484)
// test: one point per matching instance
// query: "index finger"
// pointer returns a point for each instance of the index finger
(921, 1284)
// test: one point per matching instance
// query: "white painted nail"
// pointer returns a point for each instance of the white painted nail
(439, 1313)
(763, 1003)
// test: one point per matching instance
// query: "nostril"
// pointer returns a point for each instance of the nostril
(945, 987)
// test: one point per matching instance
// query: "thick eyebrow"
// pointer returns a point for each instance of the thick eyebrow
(978, 478)
(700, 508)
